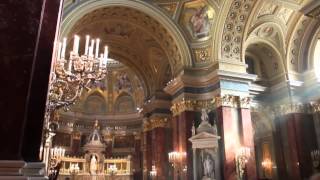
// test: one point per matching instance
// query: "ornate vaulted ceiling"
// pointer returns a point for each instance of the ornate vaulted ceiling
(134, 39)
(216, 34)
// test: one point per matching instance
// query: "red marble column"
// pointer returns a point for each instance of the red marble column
(175, 141)
(236, 130)
(159, 152)
(248, 141)
(185, 121)
(147, 154)
(229, 141)
(299, 139)
(137, 155)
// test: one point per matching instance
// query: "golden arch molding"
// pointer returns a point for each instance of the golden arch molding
(184, 54)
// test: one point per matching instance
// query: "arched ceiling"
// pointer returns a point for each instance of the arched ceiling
(134, 39)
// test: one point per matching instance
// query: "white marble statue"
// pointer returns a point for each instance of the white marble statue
(93, 165)
(204, 115)
(208, 168)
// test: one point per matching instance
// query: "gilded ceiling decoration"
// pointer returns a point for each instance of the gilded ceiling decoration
(234, 29)
(120, 93)
(127, 26)
(197, 19)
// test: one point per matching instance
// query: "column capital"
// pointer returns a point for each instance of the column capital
(192, 105)
(228, 100)
(155, 122)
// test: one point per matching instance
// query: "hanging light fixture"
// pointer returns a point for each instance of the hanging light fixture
(71, 75)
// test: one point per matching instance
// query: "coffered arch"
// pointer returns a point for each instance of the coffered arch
(148, 17)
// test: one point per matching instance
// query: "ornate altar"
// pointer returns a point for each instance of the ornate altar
(205, 150)
(93, 165)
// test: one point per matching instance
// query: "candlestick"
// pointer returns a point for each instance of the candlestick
(59, 50)
(97, 47)
(63, 51)
(91, 48)
(69, 65)
(76, 44)
(87, 45)
(105, 57)
(101, 60)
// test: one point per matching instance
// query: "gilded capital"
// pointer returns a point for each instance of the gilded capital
(227, 101)
(191, 105)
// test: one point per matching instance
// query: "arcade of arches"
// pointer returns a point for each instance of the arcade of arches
(195, 90)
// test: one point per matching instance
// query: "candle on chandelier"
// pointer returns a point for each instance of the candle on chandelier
(97, 47)
(69, 64)
(101, 60)
(105, 57)
(91, 48)
(59, 50)
(64, 45)
(87, 45)
(76, 44)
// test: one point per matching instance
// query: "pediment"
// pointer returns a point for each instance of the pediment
(204, 135)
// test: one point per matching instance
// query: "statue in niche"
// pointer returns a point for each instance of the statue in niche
(93, 165)
(208, 167)
(200, 23)
(204, 115)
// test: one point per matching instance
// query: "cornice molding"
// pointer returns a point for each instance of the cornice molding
(218, 101)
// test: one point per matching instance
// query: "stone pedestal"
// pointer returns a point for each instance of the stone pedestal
(206, 161)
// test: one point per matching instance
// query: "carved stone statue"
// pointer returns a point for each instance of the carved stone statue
(93, 165)
(204, 115)
(208, 168)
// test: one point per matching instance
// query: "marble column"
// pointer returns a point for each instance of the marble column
(27, 37)
(229, 140)
(298, 139)
(181, 132)
(159, 151)
(235, 128)
(137, 158)
(248, 141)
(147, 153)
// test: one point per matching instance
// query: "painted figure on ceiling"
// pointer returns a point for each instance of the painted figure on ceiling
(200, 24)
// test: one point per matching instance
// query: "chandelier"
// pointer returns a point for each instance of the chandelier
(70, 76)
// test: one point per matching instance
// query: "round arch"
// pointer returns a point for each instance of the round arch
(74, 14)
(271, 58)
